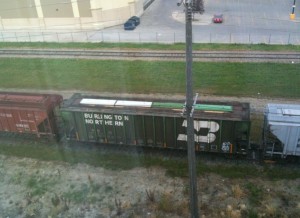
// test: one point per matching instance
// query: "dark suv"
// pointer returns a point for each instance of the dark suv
(129, 25)
(135, 19)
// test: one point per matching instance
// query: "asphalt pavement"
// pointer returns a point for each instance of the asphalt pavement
(245, 21)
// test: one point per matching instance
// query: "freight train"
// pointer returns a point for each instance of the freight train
(220, 127)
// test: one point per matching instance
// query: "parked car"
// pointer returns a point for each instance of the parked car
(135, 19)
(129, 25)
(218, 18)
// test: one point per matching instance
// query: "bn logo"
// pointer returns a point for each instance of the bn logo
(211, 126)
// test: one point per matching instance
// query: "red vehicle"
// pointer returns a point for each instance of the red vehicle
(218, 18)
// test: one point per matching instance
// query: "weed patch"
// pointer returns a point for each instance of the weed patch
(39, 185)
(166, 203)
(237, 191)
(276, 173)
(89, 193)
(255, 194)
(80, 195)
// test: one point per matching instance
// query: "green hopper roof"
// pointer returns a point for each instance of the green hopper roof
(203, 107)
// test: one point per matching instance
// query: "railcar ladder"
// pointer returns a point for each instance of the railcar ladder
(193, 108)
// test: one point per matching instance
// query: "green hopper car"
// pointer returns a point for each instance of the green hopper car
(218, 126)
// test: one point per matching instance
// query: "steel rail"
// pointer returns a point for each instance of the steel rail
(234, 56)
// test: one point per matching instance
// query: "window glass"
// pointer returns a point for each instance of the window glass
(149, 108)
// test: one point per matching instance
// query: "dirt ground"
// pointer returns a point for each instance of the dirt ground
(32, 188)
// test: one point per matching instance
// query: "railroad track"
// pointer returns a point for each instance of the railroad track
(218, 56)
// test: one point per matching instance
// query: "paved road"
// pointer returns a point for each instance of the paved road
(240, 16)
(246, 21)
(258, 21)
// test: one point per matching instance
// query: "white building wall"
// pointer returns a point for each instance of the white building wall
(103, 13)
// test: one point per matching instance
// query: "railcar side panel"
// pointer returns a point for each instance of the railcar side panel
(167, 132)
(139, 130)
(217, 128)
(149, 130)
(129, 130)
(170, 132)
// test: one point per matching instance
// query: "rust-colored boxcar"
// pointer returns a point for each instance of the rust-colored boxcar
(29, 113)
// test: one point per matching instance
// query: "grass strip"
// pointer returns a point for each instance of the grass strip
(151, 46)
(117, 76)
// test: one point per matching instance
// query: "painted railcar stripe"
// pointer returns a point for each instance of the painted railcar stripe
(203, 107)
(134, 103)
(90, 101)
(208, 107)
